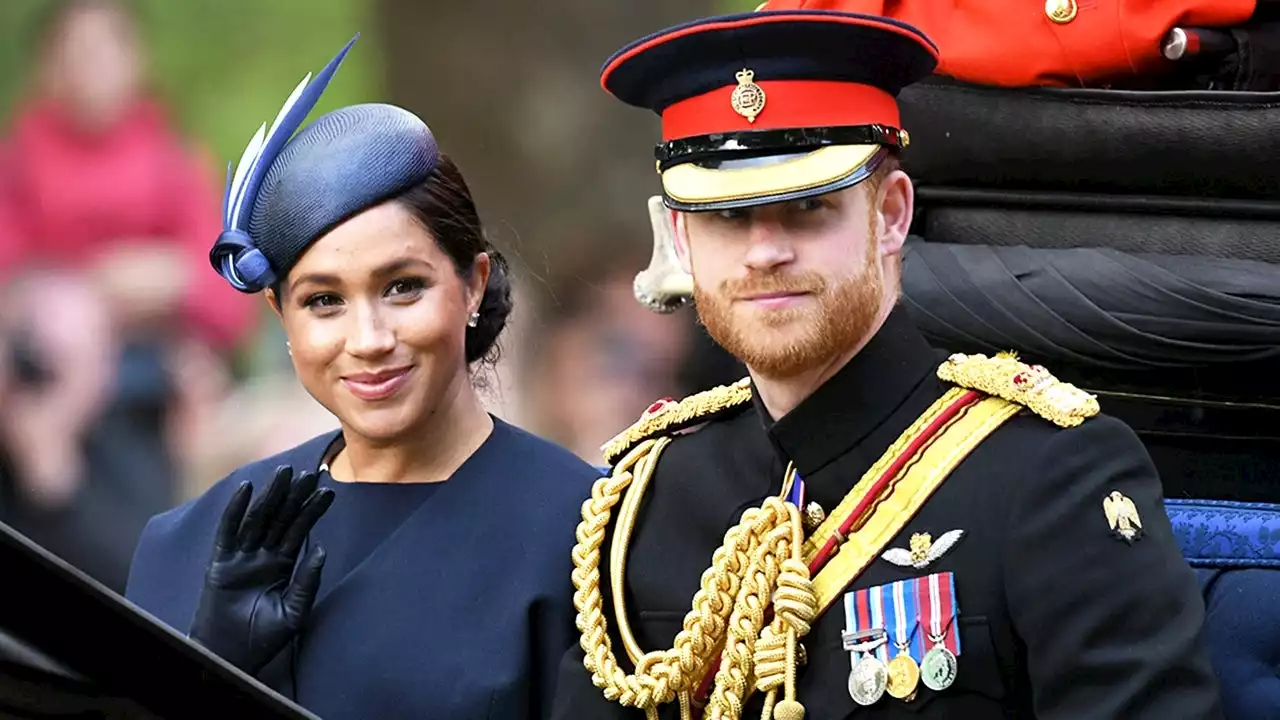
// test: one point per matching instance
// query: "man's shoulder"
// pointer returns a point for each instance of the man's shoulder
(1032, 387)
(1044, 414)
(1027, 446)
(689, 416)
(1055, 419)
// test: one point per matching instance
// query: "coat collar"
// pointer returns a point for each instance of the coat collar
(857, 399)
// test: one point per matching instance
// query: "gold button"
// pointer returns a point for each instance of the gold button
(1061, 11)
(812, 516)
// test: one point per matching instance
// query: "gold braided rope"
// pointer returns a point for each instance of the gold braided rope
(759, 560)
(622, 541)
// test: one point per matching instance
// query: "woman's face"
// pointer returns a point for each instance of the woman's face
(376, 317)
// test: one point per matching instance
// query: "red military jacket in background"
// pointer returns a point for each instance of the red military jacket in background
(1072, 43)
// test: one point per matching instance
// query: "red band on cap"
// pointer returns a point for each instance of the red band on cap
(788, 104)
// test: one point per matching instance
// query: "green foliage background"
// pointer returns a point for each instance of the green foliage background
(224, 66)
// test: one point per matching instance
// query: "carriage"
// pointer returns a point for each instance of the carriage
(1130, 240)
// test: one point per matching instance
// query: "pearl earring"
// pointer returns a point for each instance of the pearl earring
(474, 320)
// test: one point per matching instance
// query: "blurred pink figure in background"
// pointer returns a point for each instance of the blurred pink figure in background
(106, 220)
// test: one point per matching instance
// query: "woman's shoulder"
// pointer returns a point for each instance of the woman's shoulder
(548, 479)
(533, 452)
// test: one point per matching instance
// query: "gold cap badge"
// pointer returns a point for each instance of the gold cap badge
(748, 98)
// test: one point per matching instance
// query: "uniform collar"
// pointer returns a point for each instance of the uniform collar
(857, 399)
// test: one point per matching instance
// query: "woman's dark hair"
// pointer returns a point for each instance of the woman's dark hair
(443, 205)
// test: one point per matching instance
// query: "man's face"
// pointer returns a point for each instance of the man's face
(793, 286)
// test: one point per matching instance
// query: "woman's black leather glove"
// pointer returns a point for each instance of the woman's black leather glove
(252, 604)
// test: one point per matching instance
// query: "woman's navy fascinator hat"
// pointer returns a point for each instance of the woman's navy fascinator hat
(290, 189)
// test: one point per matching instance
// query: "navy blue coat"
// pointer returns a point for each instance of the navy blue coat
(461, 610)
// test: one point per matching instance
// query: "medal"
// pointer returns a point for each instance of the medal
(904, 673)
(869, 677)
(868, 680)
(865, 638)
(939, 667)
(904, 677)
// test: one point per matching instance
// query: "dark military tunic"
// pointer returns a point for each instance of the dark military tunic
(1059, 618)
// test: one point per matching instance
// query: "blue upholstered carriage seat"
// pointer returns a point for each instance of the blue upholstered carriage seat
(1234, 548)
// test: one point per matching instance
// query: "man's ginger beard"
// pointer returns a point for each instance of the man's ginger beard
(783, 343)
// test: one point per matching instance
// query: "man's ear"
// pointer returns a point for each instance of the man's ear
(680, 239)
(895, 204)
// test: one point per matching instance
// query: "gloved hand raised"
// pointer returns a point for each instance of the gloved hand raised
(252, 605)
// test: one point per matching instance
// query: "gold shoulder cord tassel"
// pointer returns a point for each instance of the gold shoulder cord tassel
(760, 560)
(794, 607)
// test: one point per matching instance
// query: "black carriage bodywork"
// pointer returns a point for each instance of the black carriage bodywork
(1129, 241)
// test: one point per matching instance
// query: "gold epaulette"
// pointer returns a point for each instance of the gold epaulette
(1030, 386)
(674, 414)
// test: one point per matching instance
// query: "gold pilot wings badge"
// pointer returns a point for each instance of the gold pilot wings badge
(924, 550)
(1122, 516)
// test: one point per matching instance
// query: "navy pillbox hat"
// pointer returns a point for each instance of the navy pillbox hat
(289, 190)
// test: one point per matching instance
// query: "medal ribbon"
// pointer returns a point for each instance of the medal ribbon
(860, 616)
(851, 625)
(795, 495)
(906, 618)
(875, 598)
(854, 627)
(941, 608)
(868, 614)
